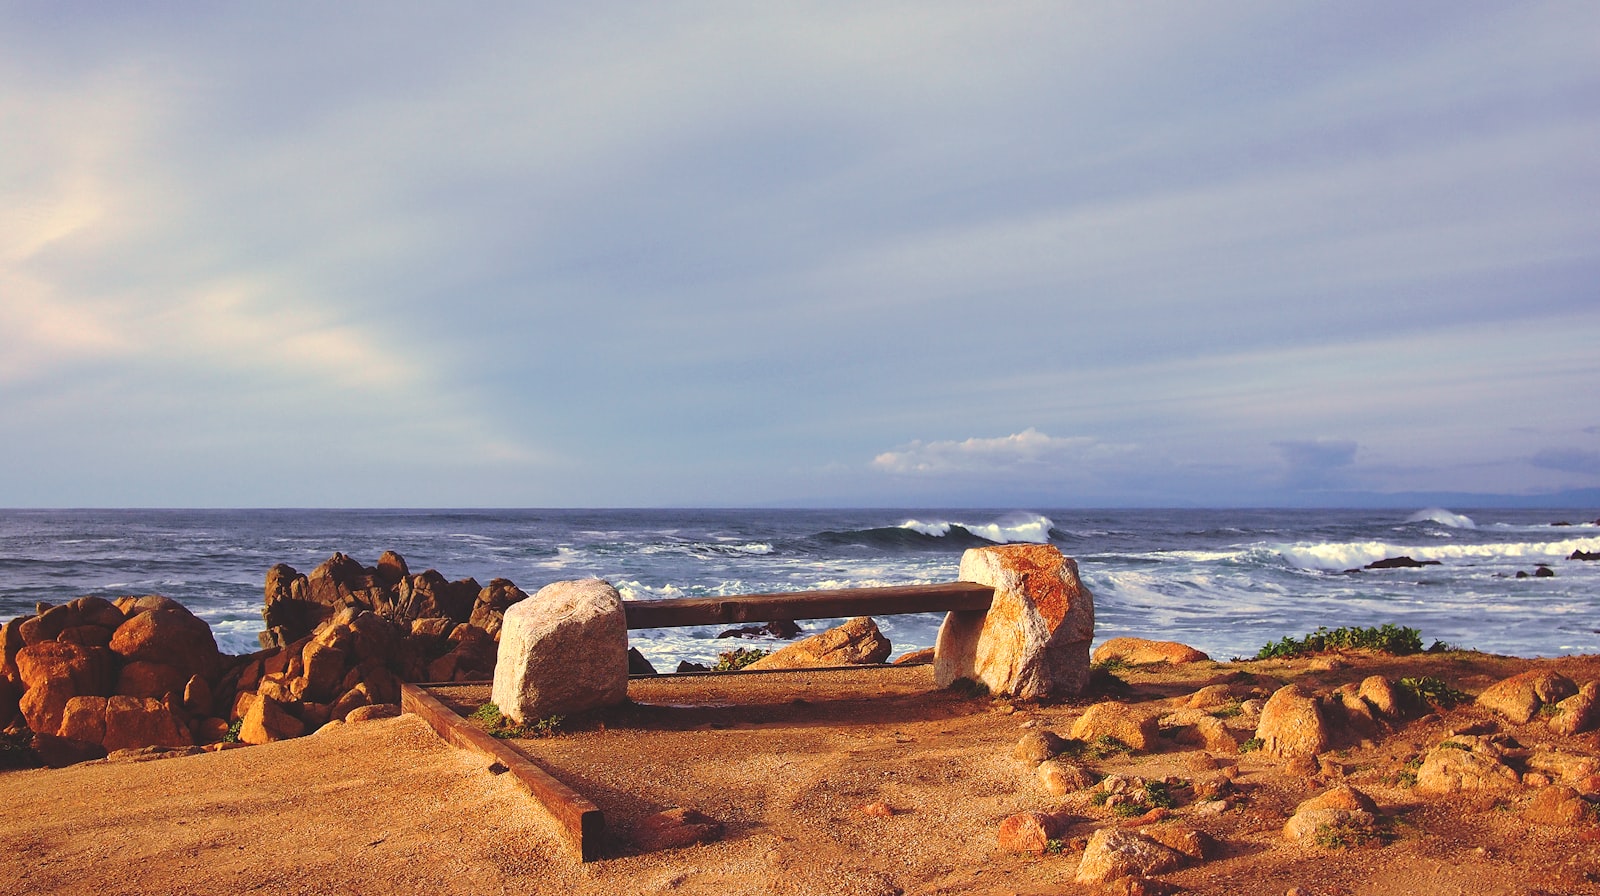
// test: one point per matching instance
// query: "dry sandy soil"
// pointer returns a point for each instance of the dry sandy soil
(785, 761)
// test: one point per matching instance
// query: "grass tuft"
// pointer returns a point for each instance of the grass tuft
(501, 726)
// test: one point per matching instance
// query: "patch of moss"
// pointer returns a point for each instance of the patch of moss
(501, 726)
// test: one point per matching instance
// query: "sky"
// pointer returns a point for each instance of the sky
(927, 254)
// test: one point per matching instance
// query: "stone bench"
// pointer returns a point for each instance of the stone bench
(1019, 622)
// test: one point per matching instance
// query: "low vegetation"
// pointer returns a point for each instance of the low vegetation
(734, 660)
(1388, 638)
(500, 725)
(1431, 691)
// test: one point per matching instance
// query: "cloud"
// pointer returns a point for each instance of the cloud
(1568, 460)
(1027, 450)
(1316, 463)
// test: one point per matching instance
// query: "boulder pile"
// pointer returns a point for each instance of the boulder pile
(93, 676)
(296, 604)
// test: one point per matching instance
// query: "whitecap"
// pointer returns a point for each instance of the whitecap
(1442, 517)
(1016, 527)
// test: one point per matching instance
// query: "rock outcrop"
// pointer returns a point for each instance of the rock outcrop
(1119, 721)
(1141, 652)
(856, 642)
(1340, 817)
(1118, 852)
(1520, 697)
(1033, 641)
(1292, 725)
(295, 604)
(564, 650)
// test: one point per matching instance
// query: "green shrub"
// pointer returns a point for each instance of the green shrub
(734, 660)
(232, 737)
(1389, 638)
(1251, 745)
(1431, 691)
(1341, 836)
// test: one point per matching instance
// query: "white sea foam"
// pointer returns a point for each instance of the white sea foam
(1442, 517)
(1355, 554)
(1032, 528)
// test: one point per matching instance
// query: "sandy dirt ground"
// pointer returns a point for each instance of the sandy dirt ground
(785, 761)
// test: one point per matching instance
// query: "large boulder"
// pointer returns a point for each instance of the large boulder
(53, 672)
(133, 722)
(489, 609)
(1292, 725)
(1466, 762)
(1520, 697)
(1141, 651)
(85, 611)
(857, 642)
(1033, 641)
(1578, 713)
(268, 720)
(564, 650)
(430, 595)
(169, 635)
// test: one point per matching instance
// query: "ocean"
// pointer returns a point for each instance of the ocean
(1224, 581)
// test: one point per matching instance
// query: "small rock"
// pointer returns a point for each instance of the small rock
(1060, 777)
(1557, 805)
(1197, 845)
(1037, 746)
(1292, 725)
(1117, 720)
(372, 711)
(1031, 832)
(1339, 817)
(876, 810)
(675, 829)
(1465, 762)
(1118, 852)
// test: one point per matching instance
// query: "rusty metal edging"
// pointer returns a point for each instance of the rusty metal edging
(580, 820)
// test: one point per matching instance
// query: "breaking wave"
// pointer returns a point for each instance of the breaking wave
(1442, 517)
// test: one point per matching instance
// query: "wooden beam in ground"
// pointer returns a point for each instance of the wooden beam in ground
(807, 605)
(579, 819)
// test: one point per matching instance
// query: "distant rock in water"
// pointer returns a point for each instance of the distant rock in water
(1585, 555)
(1401, 563)
(781, 629)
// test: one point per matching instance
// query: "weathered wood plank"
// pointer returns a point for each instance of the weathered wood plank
(579, 819)
(807, 605)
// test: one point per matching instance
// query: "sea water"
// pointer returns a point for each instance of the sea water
(1224, 581)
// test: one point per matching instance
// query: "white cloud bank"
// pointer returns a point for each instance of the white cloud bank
(1029, 450)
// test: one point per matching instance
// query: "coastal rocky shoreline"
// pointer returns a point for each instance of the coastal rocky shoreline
(1168, 771)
